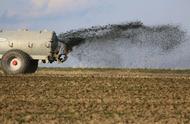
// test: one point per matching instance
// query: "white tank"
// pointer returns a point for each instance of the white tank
(37, 44)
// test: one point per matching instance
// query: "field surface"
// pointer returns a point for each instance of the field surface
(96, 96)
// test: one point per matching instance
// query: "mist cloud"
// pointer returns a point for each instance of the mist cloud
(130, 45)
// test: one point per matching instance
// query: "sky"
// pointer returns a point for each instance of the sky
(64, 15)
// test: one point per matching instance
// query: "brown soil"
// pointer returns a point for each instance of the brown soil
(96, 96)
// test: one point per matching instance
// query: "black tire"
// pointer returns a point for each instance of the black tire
(15, 62)
(33, 66)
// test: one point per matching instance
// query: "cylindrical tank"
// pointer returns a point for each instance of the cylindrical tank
(37, 44)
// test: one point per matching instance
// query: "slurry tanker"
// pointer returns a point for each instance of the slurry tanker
(21, 50)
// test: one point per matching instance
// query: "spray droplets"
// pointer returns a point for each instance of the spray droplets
(123, 45)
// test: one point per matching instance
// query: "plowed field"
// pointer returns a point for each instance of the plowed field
(96, 96)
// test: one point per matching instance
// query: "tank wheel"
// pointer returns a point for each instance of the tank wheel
(33, 66)
(15, 62)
